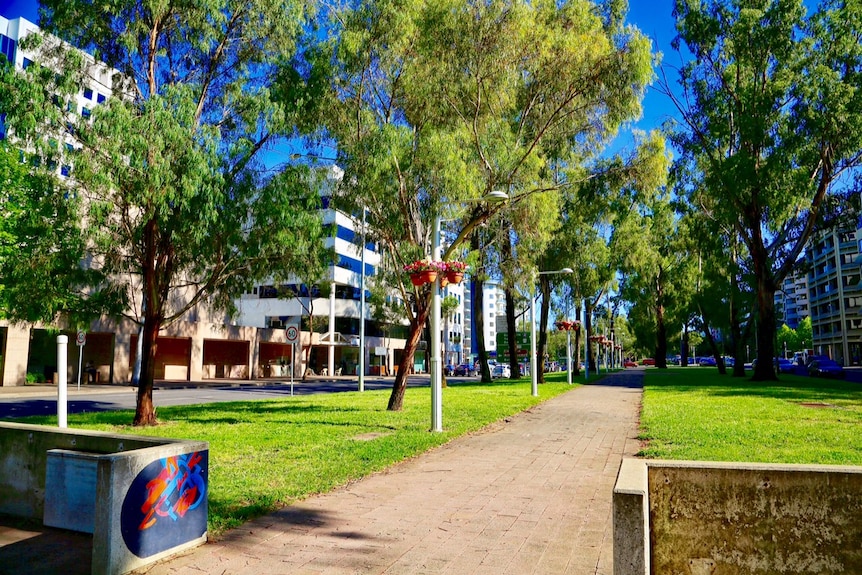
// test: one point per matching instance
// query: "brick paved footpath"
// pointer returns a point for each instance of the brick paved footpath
(531, 494)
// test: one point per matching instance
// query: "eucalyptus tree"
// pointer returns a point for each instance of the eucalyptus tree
(180, 210)
(592, 238)
(434, 104)
(42, 247)
(658, 271)
(770, 108)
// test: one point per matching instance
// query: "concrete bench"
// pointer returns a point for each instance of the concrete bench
(142, 498)
(707, 517)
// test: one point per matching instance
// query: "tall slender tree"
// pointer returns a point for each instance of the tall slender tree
(180, 210)
(770, 105)
(436, 103)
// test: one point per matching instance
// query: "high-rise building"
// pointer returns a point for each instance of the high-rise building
(835, 294)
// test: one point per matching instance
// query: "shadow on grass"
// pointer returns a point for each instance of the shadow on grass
(788, 387)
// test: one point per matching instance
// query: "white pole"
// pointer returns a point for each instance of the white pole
(586, 345)
(362, 311)
(569, 356)
(80, 356)
(534, 377)
(330, 363)
(436, 363)
(293, 360)
(62, 368)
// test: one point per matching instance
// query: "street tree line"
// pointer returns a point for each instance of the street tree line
(427, 108)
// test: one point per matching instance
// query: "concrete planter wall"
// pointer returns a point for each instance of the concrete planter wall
(142, 498)
(721, 518)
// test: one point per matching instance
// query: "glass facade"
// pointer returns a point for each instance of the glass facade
(7, 47)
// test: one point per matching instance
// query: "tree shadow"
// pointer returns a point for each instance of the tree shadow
(29, 548)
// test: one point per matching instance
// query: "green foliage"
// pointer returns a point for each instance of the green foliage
(704, 416)
(42, 246)
(180, 210)
(770, 104)
(437, 103)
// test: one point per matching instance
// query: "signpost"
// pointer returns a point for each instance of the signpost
(81, 340)
(522, 346)
(291, 333)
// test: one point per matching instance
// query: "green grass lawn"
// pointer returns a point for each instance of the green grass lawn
(695, 413)
(266, 454)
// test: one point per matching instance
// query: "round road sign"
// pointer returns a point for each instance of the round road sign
(81, 338)
(292, 334)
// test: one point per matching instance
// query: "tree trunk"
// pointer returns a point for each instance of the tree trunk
(713, 345)
(683, 348)
(396, 398)
(145, 412)
(660, 328)
(588, 320)
(152, 295)
(545, 286)
(765, 334)
(478, 301)
(576, 363)
(512, 333)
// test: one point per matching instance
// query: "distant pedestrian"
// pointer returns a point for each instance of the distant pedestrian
(91, 372)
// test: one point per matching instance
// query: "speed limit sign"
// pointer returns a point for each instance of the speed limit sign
(292, 334)
(81, 338)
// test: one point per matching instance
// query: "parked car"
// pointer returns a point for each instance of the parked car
(825, 368)
(707, 362)
(816, 358)
(501, 370)
(552, 366)
(464, 370)
(630, 363)
(648, 361)
(785, 365)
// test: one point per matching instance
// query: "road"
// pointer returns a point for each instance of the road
(185, 394)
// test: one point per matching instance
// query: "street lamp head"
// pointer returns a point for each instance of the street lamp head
(562, 271)
(496, 196)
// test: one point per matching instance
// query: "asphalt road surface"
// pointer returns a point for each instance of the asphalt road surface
(124, 397)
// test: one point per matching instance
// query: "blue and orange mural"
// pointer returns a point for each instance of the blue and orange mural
(166, 504)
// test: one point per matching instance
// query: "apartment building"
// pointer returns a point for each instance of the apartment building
(835, 294)
(791, 300)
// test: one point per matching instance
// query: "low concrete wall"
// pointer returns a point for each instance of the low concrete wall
(142, 498)
(716, 518)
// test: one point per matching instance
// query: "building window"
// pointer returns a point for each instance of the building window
(66, 170)
(101, 98)
(86, 113)
(27, 63)
(7, 47)
(88, 93)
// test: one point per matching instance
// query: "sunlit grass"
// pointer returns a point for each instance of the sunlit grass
(695, 413)
(266, 454)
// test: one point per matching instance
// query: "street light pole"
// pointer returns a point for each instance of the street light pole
(534, 376)
(362, 311)
(568, 346)
(436, 360)
(436, 373)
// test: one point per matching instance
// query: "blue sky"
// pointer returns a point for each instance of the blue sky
(15, 8)
(653, 17)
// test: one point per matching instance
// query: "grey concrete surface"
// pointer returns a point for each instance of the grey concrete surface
(530, 494)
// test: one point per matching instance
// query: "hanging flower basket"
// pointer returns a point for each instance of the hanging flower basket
(423, 271)
(423, 277)
(455, 271)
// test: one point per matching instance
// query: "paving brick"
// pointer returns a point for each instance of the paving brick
(529, 495)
